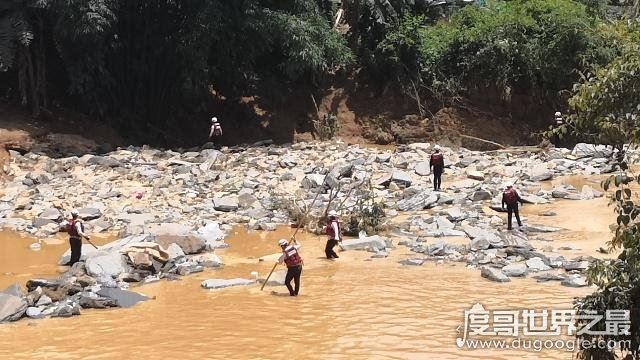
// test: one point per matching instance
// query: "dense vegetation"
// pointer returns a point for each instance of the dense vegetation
(147, 65)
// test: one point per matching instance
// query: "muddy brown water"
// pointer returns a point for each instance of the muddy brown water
(352, 308)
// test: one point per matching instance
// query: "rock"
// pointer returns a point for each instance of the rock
(312, 181)
(541, 228)
(96, 302)
(589, 193)
(190, 244)
(34, 312)
(187, 269)
(479, 243)
(575, 265)
(544, 277)
(226, 203)
(515, 270)
(112, 265)
(123, 298)
(212, 235)
(174, 251)
(35, 247)
(276, 279)
(44, 301)
(412, 262)
(12, 307)
(104, 162)
(364, 243)
(537, 264)
(422, 168)
(223, 283)
(455, 214)
(419, 201)
(401, 178)
(475, 175)
(14, 290)
(540, 173)
(85, 280)
(66, 309)
(89, 213)
(481, 195)
(208, 260)
(51, 214)
(437, 249)
(246, 200)
(574, 281)
(582, 150)
(493, 274)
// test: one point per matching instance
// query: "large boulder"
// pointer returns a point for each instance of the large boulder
(493, 274)
(512, 270)
(312, 181)
(419, 201)
(226, 203)
(212, 235)
(12, 307)
(89, 213)
(422, 168)
(582, 150)
(166, 234)
(364, 243)
(122, 298)
(401, 178)
(223, 283)
(112, 265)
(276, 279)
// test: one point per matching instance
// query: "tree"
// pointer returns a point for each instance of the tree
(23, 39)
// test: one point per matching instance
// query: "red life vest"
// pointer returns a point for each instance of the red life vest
(291, 256)
(71, 228)
(330, 232)
(510, 196)
(437, 160)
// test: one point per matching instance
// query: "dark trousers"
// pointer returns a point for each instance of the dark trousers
(76, 250)
(293, 273)
(437, 178)
(511, 210)
(328, 249)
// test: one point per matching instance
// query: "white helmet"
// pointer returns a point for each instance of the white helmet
(283, 242)
(558, 113)
(437, 147)
(74, 213)
(214, 119)
(508, 185)
(333, 213)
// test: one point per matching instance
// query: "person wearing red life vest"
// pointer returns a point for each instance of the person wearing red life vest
(334, 235)
(75, 228)
(511, 198)
(291, 257)
(436, 164)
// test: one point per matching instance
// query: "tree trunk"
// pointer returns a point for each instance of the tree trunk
(41, 62)
(33, 88)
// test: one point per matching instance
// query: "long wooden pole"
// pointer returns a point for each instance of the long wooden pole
(300, 222)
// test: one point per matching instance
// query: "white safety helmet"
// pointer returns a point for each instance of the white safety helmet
(437, 147)
(508, 185)
(74, 213)
(214, 119)
(558, 114)
(333, 213)
(283, 242)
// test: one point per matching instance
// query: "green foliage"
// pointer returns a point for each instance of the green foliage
(528, 47)
(606, 104)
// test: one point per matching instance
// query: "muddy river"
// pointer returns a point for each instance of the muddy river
(352, 308)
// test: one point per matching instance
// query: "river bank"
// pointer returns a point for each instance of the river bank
(188, 202)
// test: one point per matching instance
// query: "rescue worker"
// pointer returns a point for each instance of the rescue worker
(436, 164)
(291, 257)
(216, 130)
(334, 234)
(75, 228)
(511, 198)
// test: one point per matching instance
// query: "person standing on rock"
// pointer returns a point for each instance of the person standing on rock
(75, 228)
(334, 233)
(291, 257)
(511, 198)
(436, 163)
(216, 130)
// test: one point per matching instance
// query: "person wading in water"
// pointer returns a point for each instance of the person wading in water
(436, 163)
(334, 234)
(291, 257)
(511, 198)
(75, 228)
